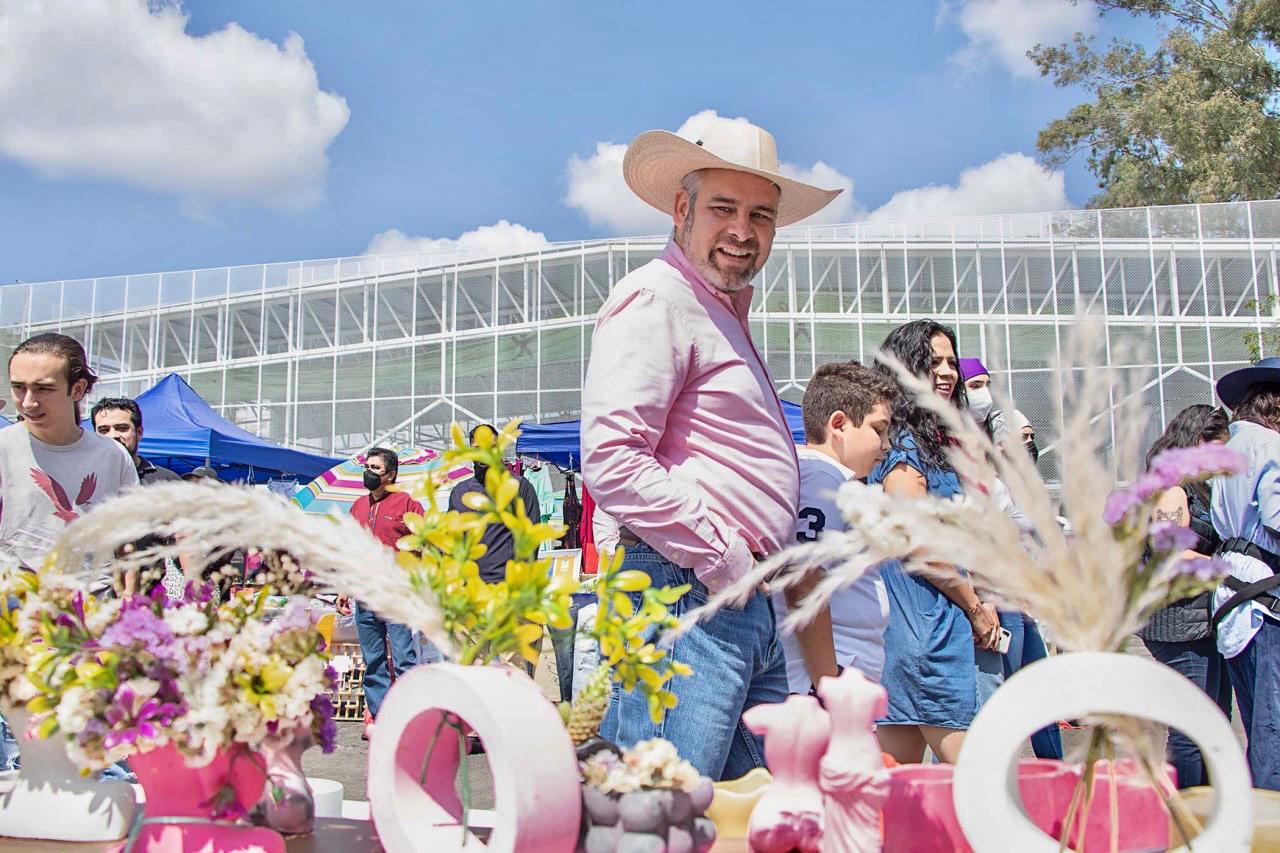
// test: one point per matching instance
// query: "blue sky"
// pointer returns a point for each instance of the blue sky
(140, 141)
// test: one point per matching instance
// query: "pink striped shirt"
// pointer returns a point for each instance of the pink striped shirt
(683, 437)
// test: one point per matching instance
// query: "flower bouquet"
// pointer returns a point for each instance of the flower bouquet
(184, 688)
(48, 782)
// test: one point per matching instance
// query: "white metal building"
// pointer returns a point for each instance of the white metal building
(336, 355)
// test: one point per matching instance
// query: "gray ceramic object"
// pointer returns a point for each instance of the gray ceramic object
(658, 821)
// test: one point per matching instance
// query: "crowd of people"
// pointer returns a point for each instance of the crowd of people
(685, 446)
(695, 472)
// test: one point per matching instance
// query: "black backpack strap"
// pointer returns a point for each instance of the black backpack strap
(1258, 590)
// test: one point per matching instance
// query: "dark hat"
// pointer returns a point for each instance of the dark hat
(1232, 387)
(203, 472)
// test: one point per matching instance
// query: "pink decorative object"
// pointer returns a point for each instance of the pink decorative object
(920, 816)
(538, 801)
(789, 814)
(852, 773)
(202, 801)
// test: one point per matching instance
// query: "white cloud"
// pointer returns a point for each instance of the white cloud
(844, 209)
(118, 90)
(596, 187)
(501, 238)
(1011, 183)
(1004, 30)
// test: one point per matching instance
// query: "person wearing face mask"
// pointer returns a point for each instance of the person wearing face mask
(977, 386)
(1026, 645)
(382, 513)
(1027, 433)
(499, 544)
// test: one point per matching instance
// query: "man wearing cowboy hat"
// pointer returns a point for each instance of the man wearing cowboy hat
(683, 436)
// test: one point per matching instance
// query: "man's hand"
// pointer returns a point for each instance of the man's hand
(343, 604)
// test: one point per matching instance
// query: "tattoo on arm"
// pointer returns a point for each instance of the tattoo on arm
(1177, 516)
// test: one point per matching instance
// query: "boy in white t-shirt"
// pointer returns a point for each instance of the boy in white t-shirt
(847, 410)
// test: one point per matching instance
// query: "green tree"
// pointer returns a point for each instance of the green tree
(1195, 119)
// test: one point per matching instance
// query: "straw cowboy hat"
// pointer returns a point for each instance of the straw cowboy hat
(657, 161)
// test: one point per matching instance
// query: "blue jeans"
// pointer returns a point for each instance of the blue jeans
(1026, 646)
(375, 633)
(737, 663)
(9, 756)
(1255, 675)
(562, 640)
(1201, 662)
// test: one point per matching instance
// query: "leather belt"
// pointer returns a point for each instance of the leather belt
(627, 539)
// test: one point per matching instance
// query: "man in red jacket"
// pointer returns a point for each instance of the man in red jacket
(382, 512)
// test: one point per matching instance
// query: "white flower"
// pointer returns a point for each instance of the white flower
(74, 710)
(186, 621)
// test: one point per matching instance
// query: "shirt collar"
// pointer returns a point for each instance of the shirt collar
(739, 303)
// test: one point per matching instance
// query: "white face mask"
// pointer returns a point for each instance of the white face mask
(980, 403)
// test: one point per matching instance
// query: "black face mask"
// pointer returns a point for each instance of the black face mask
(372, 480)
(480, 472)
(1030, 444)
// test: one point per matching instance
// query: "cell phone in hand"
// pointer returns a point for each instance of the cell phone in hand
(1005, 638)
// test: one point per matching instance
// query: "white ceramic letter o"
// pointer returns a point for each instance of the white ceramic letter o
(1074, 685)
(538, 801)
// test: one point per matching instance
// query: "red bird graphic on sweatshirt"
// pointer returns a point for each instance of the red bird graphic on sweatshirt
(62, 507)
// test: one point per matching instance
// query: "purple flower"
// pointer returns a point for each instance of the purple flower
(1201, 569)
(130, 720)
(326, 730)
(1171, 468)
(139, 626)
(1169, 537)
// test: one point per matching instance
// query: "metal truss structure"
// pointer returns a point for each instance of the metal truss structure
(338, 355)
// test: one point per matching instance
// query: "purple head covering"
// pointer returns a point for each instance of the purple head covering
(971, 367)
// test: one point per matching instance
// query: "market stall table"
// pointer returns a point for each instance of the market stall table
(332, 835)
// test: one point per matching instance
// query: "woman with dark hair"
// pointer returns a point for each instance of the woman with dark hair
(1245, 509)
(1180, 635)
(935, 628)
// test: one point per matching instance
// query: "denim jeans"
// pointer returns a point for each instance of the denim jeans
(562, 640)
(1255, 675)
(737, 663)
(375, 633)
(9, 756)
(1201, 662)
(1026, 646)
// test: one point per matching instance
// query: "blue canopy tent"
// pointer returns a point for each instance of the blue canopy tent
(181, 431)
(560, 443)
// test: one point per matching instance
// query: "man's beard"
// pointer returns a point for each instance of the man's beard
(721, 280)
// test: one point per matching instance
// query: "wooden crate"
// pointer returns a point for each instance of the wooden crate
(348, 699)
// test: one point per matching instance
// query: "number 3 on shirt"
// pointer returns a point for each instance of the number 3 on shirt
(814, 520)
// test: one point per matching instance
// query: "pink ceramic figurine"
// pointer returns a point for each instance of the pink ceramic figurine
(789, 814)
(852, 773)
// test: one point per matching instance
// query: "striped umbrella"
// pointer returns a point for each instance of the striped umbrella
(337, 489)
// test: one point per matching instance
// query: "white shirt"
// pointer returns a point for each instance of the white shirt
(860, 611)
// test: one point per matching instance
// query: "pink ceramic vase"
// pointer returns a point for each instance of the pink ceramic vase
(920, 816)
(182, 810)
